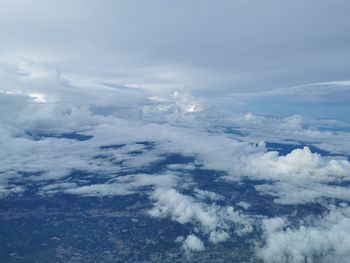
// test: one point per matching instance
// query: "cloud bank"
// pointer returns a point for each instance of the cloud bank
(150, 98)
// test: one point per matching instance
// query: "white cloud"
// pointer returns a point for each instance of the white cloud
(38, 97)
(193, 243)
(325, 134)
(299, 169)
(122, 185)
(9, 190)
(99, 190)
(301, 192)
(213, 220)
(218, 236)
(326, 239)
(294, 122)
(300, 164)
(205, 194)
(300, 176)
(244, 205)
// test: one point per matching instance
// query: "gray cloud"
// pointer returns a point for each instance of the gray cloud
(228, 46)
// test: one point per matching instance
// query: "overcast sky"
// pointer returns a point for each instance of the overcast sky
(203, 47)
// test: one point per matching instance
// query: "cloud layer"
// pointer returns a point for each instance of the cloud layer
(140, 131)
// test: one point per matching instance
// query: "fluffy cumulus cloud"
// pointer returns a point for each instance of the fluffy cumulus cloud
(300, 163)
(300, 176)
(215, 221)
(324, 239)
(192, 243)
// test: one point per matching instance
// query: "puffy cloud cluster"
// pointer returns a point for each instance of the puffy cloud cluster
(191, 243)
(298, 164)
(213, 220)
(300, 176)
(325, 239)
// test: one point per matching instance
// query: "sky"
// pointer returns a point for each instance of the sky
(209, 49)
(218, 81)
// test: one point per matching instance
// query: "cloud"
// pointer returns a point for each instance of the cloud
(301, 170)
(121, 185)
(149, 51)
(193, 243)
(299, 164)
(303, 193)
(213, 220)
(325, 239)
(300, 176)
(10, 190)
(99, 190)
(101, 135)
(326, 134)
(207, 195)
(244, 205)
(104, 112)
